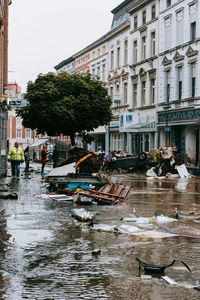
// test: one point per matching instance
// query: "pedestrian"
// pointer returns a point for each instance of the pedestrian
(108, 160)
(101, 154)
(55, 156)
(16, 156)
(43, 159)
(27, 159)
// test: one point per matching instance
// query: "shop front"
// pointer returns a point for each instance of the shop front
(184, 131)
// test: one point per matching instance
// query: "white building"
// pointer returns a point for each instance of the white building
(133, 76)
(179, 92)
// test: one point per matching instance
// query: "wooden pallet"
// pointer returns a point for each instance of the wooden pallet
(109, 194)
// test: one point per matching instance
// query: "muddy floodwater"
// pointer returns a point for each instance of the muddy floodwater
(51, 255)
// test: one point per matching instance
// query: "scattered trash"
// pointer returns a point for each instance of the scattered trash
(183, 172)
(96, 251)
(86, 161)
(13, 196)
(156, 268)
(103, 227)
(126, 229)
(8, 195)
(84, 200)
(82, 215)
(146, 277)
(169, 280)
(61, 198)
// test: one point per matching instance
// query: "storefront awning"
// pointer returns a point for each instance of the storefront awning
(141, 127)
(99, 130)
(39, 142)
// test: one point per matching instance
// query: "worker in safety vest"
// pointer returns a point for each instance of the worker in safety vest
(16, 156)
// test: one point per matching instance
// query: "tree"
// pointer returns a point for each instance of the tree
(65, 104)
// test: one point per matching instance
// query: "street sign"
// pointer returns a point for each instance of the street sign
(167, 129)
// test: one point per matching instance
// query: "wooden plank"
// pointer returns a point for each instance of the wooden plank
(103, 193)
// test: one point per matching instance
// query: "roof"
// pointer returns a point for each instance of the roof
(64, 63)
(120, 13)
(39, 142)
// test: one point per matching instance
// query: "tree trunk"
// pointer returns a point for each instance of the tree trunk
(72, 139)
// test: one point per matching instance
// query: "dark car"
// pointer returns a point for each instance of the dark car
(129, 163)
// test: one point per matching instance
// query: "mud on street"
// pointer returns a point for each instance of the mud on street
(50, 255)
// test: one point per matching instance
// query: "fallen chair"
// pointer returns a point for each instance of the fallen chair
(156, 268)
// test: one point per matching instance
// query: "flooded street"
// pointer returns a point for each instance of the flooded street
(51, 255)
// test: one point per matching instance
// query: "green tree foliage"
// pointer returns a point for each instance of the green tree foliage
(65, 104)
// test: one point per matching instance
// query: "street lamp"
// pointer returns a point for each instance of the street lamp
(166, 107)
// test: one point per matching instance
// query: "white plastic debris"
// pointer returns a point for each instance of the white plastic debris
(63, 171)
(103, 227)
(183, 172)
(169, 280)
(61, 197)
(82, 215)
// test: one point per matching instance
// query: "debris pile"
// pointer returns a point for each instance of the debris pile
(109, 194)
(86, 161)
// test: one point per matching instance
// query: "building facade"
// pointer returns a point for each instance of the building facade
(152, 62)
(179, 91)
(15, 129)
(3, 80)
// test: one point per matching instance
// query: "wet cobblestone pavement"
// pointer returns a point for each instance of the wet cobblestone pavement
(50, 254)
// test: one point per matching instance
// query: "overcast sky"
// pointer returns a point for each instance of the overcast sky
(42, 33)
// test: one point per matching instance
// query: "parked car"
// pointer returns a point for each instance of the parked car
(128, 163)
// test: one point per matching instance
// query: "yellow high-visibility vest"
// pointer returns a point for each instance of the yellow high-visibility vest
(16, 154)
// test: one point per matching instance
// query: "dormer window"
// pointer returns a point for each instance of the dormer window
(143, 17)
(168, 3)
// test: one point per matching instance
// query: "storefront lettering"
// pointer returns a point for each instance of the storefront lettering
(179, 116)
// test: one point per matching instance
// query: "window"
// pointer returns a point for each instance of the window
(134, 51)
(99, 52)
(193, 79)
(28, 133)
(93, 70)
(143, 47)
(117, 141)
(126, 52)
(152, 99)
(179, 27)
(111, 92)
(134, 95)
(167, 85)
(112, 60)
(18, 119)
(19, 133)
(117, 91)
(118, 56)
(103, 72)
(98, 70)
(168, 3)
(153, 11)
(143, 17)
(135, 22)
(125, 92)
(143, 93)
(168, 33)
(193, 31)
(179, 82)
(153, 43)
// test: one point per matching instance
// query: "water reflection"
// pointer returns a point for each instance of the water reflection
(51, 254)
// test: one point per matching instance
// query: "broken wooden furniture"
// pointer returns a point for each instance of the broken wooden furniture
(108, 194)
